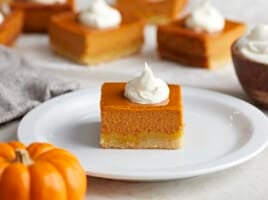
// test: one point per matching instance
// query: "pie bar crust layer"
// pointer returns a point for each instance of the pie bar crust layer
(86, 45)
(180, 44)
(129, 125)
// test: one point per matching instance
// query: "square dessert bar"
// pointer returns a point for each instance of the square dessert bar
(129, 125)
(183, 45)
(37, 16)
(153, 11)
(11, 27)
(87, 45)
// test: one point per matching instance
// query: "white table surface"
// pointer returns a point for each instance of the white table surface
(248, 181)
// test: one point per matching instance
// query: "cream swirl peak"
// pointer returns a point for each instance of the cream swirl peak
(255, 44)
(49, 1)
(100, 15)
(4, 11)
(2, 18)
(147, 89)
(205, 18)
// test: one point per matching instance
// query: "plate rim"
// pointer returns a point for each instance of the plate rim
(221, 165)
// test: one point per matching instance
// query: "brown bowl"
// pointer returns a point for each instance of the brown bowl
(253, 77)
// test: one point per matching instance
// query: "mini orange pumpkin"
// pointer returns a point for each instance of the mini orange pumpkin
(39, 172)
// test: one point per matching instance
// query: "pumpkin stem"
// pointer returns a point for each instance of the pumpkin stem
(23, 157)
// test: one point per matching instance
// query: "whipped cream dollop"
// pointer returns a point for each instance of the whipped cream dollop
(100, 15)
(5, 9)
(255, 44)
(2, 18)
(147, 89)
(49, 1)
(205, 18)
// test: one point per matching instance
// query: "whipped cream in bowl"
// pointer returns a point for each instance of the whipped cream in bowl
(255, 45)
(205, 18)
(100, 15)
(147, 89)
(250, 58)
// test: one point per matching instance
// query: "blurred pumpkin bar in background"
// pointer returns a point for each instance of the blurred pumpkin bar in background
(202, 38)
(37, 13)
(11, 22)
(89, 38)
(153, 11)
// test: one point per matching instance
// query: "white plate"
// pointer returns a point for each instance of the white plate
(221, 132)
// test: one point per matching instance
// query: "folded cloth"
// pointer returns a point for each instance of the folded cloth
(22, 86)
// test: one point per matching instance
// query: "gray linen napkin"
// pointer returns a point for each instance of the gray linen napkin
(22, 87)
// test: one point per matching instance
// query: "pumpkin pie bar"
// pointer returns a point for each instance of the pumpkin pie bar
(90, 45)
(37, 15)
(152, 11)
(180, 44)
(202, 39)
(11, 27)
(125, 124)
